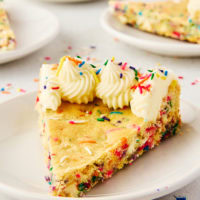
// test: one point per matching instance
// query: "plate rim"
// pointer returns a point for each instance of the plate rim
(150, 193)
(17, 53)
(104, 20)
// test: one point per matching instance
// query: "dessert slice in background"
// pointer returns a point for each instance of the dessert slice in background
(7, 37)
(87, 139)
(166, 18)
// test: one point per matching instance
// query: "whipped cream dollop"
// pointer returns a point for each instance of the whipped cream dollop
(115, 85)
(151, 89)
(193, 7)
(76, 80)
(50, 97)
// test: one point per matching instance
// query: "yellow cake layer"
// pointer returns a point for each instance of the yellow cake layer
(168, 19)
(86, 144)
(7, 37)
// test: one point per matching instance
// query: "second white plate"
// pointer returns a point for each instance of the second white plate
(146, 41)
(33, 26)
(168, 167)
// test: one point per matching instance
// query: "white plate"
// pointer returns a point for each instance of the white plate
(170, 166)
(146, 41)
(34, 28)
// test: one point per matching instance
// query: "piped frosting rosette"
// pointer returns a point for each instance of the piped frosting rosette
(152, 87)
(115, 85)
(49, 87)
(76, 80)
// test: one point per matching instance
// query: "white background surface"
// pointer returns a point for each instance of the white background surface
(80, 28)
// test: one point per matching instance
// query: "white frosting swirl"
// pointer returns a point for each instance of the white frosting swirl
(77, 83)
(113, 90)
(50, 92)
(146, 104)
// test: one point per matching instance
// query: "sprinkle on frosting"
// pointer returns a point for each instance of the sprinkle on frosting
(95, 76)
(81, 64)
(116, 84)
(98, 71)
(60, 65)
(93, 66)
(149, 92)
(124, 66)
(77, 83)
(50, 91)
(106, 62)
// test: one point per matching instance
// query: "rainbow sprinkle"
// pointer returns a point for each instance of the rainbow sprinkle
(21, 90)
(88, 150)
(62, 60)
(136, 72)
(98, 71)
(36, 80)
(140, 13)
(47, 58)
(100, 119)
(93, 66)
(95, 76)
(124, 66)
(106, 62)
(69, 47)
(105, 118)
(81, 64)
(116, 112)
(152, 76)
